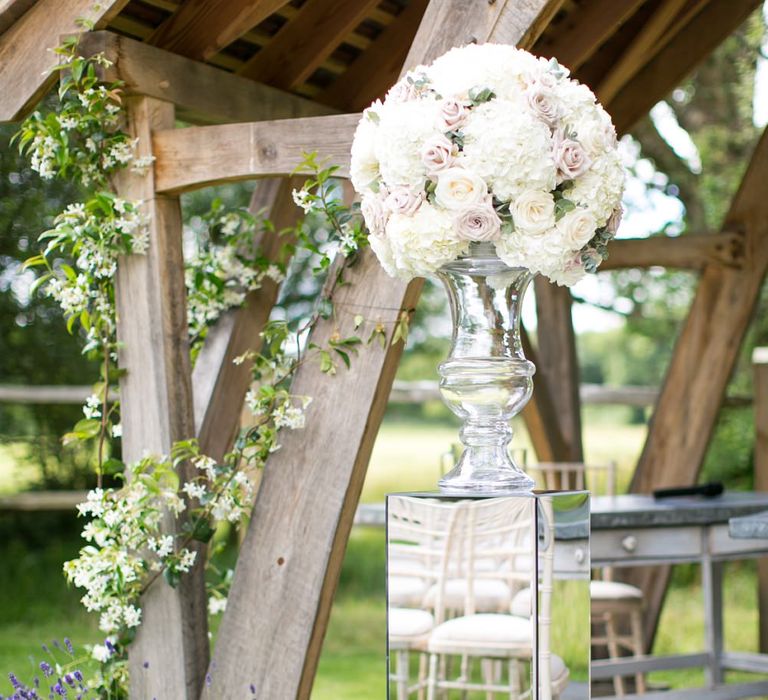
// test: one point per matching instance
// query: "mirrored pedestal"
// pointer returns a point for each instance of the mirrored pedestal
(488, 596)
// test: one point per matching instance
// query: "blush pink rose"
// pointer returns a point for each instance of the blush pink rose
(544, 104)
(438, 154)
(375, 214)
(404, 200)
(571, 159)
(477, 223)
(453, 114)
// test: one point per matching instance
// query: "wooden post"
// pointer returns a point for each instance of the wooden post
(701, 365)
(156, 407)
(278, 610)
(760, 364)
(558, 361)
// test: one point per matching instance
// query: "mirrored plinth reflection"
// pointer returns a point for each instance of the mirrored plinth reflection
(488, 597)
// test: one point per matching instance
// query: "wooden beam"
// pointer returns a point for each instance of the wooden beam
(26, 61)
(702, 363)
(156, 410)
(198, 156)
(692, 251)
(290, 560)
(670, 66)
(201, 92)
(220, 385)
(583, 31)
(377, 68)
(540, 413)
(201, 28)
(11, 11)
(760, 374)
(306, 41)
(558, 361)
(637, 53)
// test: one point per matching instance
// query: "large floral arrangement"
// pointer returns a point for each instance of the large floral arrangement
(489, 144)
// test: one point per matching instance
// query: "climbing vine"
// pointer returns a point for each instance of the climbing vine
(128, 543)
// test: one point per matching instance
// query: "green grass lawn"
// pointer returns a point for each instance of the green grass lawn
(37, 607)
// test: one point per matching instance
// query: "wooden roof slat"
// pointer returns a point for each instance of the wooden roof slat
(637, 53)
(585, 30)
(201, 28)
(676, 60)
(306, 41)
(25, 57)
(11, 11)
(202, 92)
(372, 73)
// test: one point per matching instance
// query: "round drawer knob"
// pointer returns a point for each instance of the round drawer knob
(629, 543)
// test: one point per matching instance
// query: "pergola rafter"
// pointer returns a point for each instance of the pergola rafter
(197, 60)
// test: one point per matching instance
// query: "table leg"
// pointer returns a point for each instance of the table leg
(712, 588)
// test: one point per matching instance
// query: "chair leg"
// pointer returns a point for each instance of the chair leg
(422, 676)
(636, 626)
(613, 651)
(402, 675)
(432, 680)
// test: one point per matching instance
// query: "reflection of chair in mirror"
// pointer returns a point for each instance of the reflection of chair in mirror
(614, 605)
(489, 540)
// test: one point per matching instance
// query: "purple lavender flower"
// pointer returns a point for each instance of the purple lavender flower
(46, 669)
(69, 646)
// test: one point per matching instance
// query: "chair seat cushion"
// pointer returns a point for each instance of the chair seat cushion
(613, 590)
(491, 595)
(406, 591)
(483, 634)
(407, 622)
(522, 604)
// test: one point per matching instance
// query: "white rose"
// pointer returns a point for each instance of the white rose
(569, 271)
(374, 213)
(595, 132)
(458, 188)
(404, 200)
(438, 154)
(479, 222)
(534, 212)
(577, 228)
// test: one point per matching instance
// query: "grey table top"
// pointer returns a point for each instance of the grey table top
(749, 527)
(612, 512)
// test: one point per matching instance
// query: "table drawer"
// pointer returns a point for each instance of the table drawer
(627, 545)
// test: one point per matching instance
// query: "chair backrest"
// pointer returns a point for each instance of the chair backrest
(600, 479)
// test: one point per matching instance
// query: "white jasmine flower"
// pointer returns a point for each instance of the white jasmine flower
(216, 605)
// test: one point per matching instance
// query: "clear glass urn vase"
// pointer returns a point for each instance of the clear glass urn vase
(486, 379)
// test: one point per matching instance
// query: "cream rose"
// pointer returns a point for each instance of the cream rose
(534, 212)
(577, 228)
(458, 189)
(477, 223)
(453, 114)
(404, 200)
(438, 154)
(570, 158)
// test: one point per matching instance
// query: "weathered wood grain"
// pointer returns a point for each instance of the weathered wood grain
(582, 32)
(558, 361)
(26, 60)
(12, 10)
(760, 369)
(156, 410)
(201, 28)
(202, 93)
(702, 363)
(203, 155)
(291, 557)
(689, 252)
(682, 54)
(306, 41)
(377, 69)
(219, 384)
